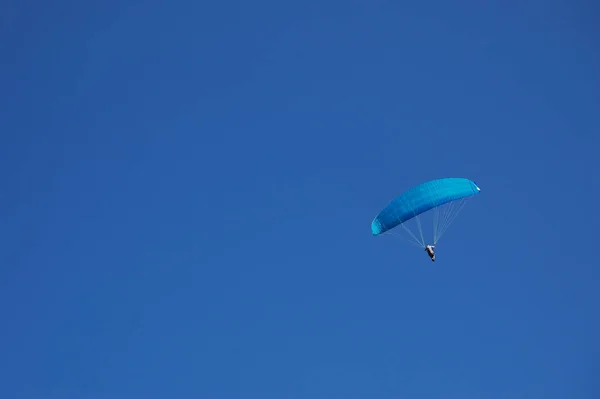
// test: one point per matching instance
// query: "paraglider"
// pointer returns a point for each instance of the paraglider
(430, 252)
(445, 198)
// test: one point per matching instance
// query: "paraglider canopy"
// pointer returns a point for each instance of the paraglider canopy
(444, 197)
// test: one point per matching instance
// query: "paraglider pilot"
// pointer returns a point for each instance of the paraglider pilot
(429, 250)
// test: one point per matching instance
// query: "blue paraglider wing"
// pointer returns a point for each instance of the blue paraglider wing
(420, 199)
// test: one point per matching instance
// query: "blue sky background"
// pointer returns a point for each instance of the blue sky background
(188, 187)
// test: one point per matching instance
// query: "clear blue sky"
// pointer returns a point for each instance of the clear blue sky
(188, 187)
